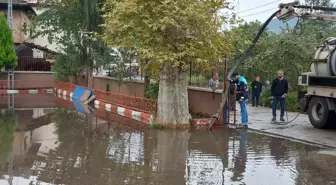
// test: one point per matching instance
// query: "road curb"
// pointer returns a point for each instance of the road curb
(290, 138)
(28, 91)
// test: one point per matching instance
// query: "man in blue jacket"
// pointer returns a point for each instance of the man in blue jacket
(242, 97)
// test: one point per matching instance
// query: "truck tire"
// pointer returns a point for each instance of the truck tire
(319, 114)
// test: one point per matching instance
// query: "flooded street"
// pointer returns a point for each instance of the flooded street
(62, 146)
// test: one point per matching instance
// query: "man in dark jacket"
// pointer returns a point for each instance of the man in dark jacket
(279, 91)
(256, 91)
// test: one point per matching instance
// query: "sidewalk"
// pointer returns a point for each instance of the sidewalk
(300, 129)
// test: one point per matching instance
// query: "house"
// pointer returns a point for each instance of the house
(33, 54)
(22, 13)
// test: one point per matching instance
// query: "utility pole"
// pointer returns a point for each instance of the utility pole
(10, 72)
(10, 14)
(10, 84)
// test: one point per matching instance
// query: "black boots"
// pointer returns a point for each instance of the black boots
(281, 119)
(274, 118)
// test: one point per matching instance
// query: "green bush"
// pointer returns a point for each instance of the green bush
(8, 58)
(153, 91)
(292, 103)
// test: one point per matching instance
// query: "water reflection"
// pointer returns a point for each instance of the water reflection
(73, 148)
(241, 158)
(131, 143)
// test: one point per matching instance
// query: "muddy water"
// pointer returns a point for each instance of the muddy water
(66, 147)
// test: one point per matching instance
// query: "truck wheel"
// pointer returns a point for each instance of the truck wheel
(319, 114)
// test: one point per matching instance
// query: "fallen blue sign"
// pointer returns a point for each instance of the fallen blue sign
(82, 93)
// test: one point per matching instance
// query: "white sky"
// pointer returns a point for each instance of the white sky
(261, 13)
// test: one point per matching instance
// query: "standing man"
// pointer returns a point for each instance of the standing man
(279, 91)
(242, 97)
(214, 82)
(256, 91)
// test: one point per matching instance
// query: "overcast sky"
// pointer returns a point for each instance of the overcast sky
(247, 9)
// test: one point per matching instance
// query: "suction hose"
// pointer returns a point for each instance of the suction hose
(238, 63)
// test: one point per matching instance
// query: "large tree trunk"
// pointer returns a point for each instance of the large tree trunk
(88, 76)
(173, 105)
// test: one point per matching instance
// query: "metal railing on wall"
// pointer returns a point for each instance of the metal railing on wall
(132, 102)
(65, 86)
(200, 75)
(28, 63)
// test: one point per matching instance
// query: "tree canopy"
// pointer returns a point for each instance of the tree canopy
(73, 25)
(167, 32)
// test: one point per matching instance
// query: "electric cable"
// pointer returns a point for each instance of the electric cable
(240, 61)
(258, 6)
(258, 12)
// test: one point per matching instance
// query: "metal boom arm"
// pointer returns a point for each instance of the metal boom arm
(290, 10)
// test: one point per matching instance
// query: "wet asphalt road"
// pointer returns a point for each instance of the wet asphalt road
(300, 129)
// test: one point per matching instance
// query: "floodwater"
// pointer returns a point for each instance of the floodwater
(62, 146)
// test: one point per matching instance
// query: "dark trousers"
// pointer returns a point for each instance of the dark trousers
(255, 96)
(282, 105)
(232, 101)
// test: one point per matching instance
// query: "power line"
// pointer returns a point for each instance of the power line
(258, 6)
(258, 12)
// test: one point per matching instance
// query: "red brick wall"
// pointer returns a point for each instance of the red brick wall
(30, 101)
(32, 80)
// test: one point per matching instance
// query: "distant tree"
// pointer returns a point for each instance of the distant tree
(8, 58)
(74, 23)
(68, 62)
